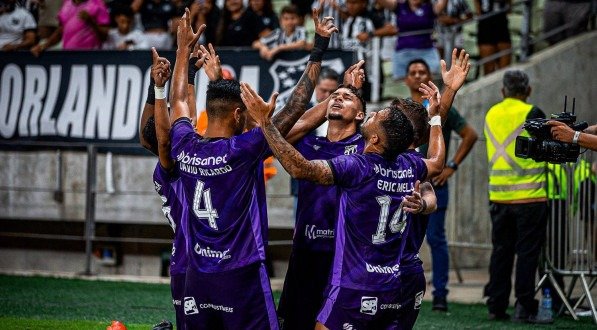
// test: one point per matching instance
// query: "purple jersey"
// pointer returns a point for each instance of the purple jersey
(224, 193)
(371, 222)
(169, 187)
(411, 263)
(317, 207)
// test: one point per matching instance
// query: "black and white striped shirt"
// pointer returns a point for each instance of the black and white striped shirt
(278, 37)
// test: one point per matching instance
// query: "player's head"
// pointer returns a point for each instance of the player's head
(355, 7)
(289, 18)
(418, 117)
(417, 72)
(224, 103)
(516, 84)
(327, 82)
(390, 130)
(346, 105)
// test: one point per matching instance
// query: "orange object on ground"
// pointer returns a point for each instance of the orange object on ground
(116, 325)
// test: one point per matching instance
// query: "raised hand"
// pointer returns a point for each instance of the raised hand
(355, 75)
(326, 26)
(160, 68)
(456, 76)
(414, 203)
(256, 106)
(431, 93)
(185, 37)
(212, 67)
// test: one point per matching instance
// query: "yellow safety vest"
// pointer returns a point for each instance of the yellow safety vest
(511, 178)
(557, 182)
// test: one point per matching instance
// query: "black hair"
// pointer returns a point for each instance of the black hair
(418, 117)
(222, 96)
(328, 73)
(398, 131)
(289, 9)
(418, 61)
(516, 83)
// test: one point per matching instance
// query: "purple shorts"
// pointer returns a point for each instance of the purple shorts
(177, 282)
(236, 299)
(358, 309)
(413, 290)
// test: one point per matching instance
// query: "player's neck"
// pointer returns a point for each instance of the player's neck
(218, 129)
(339, 130)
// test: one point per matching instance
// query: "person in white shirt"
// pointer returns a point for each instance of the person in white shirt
(17, 27)
(124, 37)
(289, 36)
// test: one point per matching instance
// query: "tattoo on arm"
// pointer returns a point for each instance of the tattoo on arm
(300, 97)
(318, 171)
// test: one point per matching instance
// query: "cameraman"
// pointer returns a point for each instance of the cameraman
(518, 203)
(563, 132)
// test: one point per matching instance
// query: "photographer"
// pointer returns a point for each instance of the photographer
(518, 203)
(564, 133)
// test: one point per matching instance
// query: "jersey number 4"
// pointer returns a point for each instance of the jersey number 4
(397, 224)
(208, 212)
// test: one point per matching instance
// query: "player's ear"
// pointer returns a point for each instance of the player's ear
(360, 116)
(238, 114)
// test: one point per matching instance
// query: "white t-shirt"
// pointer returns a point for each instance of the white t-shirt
(136, 40)
(14, 24)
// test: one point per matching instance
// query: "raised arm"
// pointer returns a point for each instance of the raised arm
(314, 117)
(297, 103)
(147, 131)
(295, 164)
(453, 80)
(195, 63)
(160, 72)
(436, 154)
(186, 39)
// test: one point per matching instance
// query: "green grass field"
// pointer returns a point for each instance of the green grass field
(52, 303)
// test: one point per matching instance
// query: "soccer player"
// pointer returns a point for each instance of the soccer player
(364, 289)
(227, 285)
(154, 131)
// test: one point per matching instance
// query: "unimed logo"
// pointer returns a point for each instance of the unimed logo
(369, 305)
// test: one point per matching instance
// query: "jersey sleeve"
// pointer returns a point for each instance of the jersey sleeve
(181, 134)
(348, 170)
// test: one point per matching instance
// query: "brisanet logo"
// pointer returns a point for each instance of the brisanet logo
(312, 232)
(369, 305)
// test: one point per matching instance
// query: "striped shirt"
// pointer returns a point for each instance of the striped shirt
(279, 37)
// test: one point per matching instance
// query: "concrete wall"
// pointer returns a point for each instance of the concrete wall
(566, 69)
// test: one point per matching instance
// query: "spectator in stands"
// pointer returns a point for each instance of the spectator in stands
(206, 12)
(47, 21)
(493, 35)
(557, 13)
(265, 11)
(17, 27)
(156, 16)
(124, 37)
(335, 9)
(418, 17)
(357, 30)
(238, 27)
(287, 38)
(456, 12)
(84, 24)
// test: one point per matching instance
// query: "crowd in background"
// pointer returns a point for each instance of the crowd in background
(423, 27)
